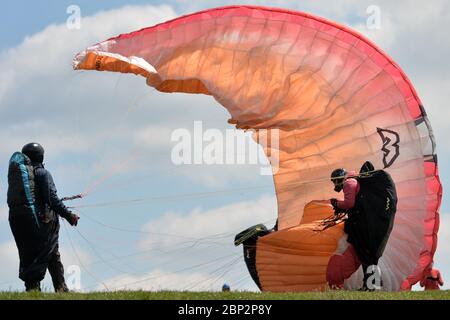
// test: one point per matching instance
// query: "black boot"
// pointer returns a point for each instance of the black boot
(62, 289)
(32, 286)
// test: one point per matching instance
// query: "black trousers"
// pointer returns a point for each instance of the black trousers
(56, 270)
(38, 251)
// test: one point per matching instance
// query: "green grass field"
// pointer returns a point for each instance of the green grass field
(176, 295)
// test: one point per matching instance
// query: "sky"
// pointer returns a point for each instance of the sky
(147, 223)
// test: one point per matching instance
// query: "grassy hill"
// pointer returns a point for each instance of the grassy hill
(176, 295)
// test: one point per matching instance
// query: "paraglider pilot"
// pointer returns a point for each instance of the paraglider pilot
(34, 221)
(343, 266)
(370, 203)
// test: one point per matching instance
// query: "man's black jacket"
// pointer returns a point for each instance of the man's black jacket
(47, 201)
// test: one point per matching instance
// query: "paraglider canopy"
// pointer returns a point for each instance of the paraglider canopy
(335, 98)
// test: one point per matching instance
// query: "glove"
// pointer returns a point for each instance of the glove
(336, 209)
(73, 219)
(334, 203)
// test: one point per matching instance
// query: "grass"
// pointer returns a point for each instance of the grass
(240, 295)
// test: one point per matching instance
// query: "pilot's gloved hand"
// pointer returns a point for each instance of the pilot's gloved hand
(336, 209)
(73, 219)
(334, 203)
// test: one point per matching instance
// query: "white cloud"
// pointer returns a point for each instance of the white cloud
(77, 257)
(194, 250)
(50, 51)
(38, 85)
(198, 223)
(154, 137)
(52, 141)
(8, 253)
(10, 265)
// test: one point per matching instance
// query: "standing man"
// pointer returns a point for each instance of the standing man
(34, 210)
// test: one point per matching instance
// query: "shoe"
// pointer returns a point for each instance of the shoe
(62, 290)
(32, 286)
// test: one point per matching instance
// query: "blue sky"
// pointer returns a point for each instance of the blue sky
(24, 18)
(106, 110)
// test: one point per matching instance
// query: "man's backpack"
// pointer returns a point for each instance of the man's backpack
(372, 219)
(21, 187)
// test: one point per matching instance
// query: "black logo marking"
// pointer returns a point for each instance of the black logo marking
(390, 147)
(98, 63)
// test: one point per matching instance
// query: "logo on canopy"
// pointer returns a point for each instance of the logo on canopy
(390, 148)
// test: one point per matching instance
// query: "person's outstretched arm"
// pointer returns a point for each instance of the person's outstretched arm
(44, 181)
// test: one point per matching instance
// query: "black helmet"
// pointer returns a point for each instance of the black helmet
(338, 174)
(338, 177)
(34, 151)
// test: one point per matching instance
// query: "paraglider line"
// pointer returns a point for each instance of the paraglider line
(79, 260)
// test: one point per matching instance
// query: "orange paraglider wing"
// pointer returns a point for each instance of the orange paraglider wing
(336, 99)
